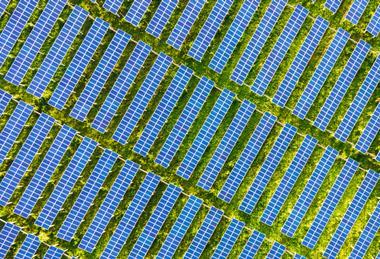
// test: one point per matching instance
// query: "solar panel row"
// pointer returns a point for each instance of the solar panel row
(356, 10)
(373, 26)
(370, 131)
(161, 17)
(253, 245)
(29, 247)
(228, 239)
(113, 5)
(333, 5)
(5, 98)
(3, 6)
(136, 11)
(8, 235)
(53, 253)
(276, 251)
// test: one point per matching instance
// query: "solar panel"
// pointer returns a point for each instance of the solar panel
(163, 110)
(279, 50)
(136, 11)
(356, 11)
(361, 99)
(121, 86)
(300, 61)
(321, 73)
(373, 26)
(34, 41)
(87, 195)
(234, 33)
(180, 227)
(209, 29)
(5, 98)
(257, 41)
(184, 122)
(66, 183)
(129, 220)
(78, 64)
(25, 157)
(352, 214)
(100, 75)
(13, 128)
(204, 233)
(378, 156)
(267, 169)
(185, 22)
(329, 204)
(247, 157)
(44, 172)
(8, 235)
(53, 253)
(288, 180)
(297, 256)
(16, 23)
(113, 5)
(226, 145)
(333, 5)
(202, 140)
(367, 235)
(341, 86)
(277, 251)
(28, 247)
(253, 245)
(109, 206)
(309, 192)
(161, 17)
(3, 6)
(228, 239)
(57, 51)
(142, 98)
(370, 132)
(155, 222)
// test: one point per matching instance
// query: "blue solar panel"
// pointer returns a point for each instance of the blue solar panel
(57, 52)
(288, 180)
(228, 240)
(378, 156)
(163, 110)
(184, 122)
(87, 195)
(247, 157)
(29, 247)
(3, 6)
(209, 29)
(16, 23)
(204, 233)
(180, 227)
(66, 183)
(113, 5)
(34, 41)
(279, 50)
(109, 206)
(142, 98)
(202, 140)
(300, 61)
(370, 131)
(258, 40)
(321, 73)
(367, 235)
(297, 256)
(359, 103)
(131, 216)
(53, 253)
(44, 171)
(101, 74)
(277, 251)
(309, 192)
(352, 214)
(8, 235)
(136, 11)
(341, 86)
(77, 66)
(253, 245)
(25, 157)
(373, 26)
(356, 11)
(5, 98)
(185, 22)
(226, 145)
(161, 17)
(267, 169)
(13, 128)
(234, 33)
(333, 5)
(330, 203)
(121, 86)
(155, 222)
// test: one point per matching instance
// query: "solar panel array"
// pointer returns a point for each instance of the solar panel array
(161, 17)
(228, 239)
(4, 101)
(136, 11)
(373, 26)
(333, 5)
(276, 251)
(3, 6)
(356, 10)
(253, 245)
(8, 235)
(53, 253)
(370, 131)
(29, 247)
(113, 5)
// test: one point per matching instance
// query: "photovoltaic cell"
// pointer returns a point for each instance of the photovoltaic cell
(66, 183)
(29, 247)
(53, 253)
(258, 40)
(341, 86)
(205, 134)
(253, 245)
(226, 145)
(247, 157)
(163, 110)
(228, 240)
(370, 131)
(279, 50)
(79, 63)
(161, 17)
(113, 5)
(142, 98)
(136, 11)
(184, 122)
(5, 98)
(309, 192)
(373, 26)
(277, 250)
(333, 5)
(356, 11)
(8, 235)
